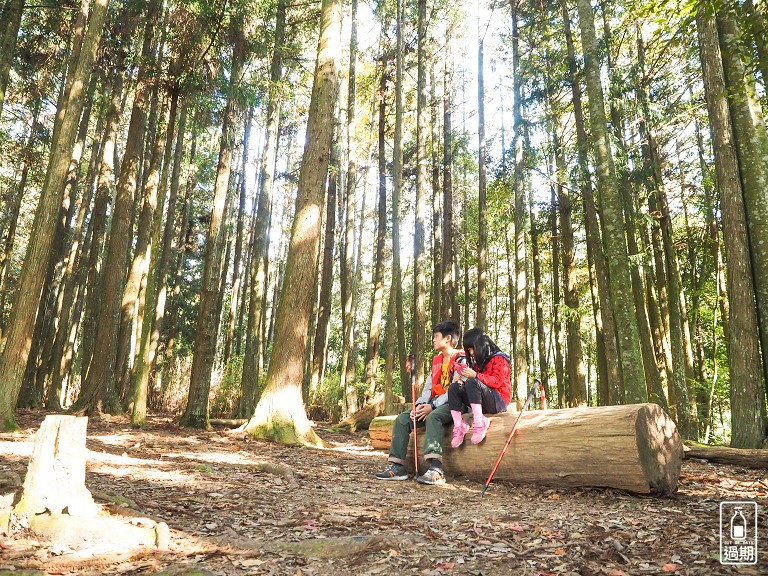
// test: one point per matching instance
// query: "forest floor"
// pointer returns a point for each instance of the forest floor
(241, 506)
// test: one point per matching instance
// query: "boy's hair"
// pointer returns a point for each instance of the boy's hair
(449, 328)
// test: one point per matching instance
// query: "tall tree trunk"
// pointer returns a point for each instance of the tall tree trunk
(449, 309)
(609, 387)
(747, 396)
(482, 203)
(320, 343)
(437, 244)
(419, 252)
(196, 412)
(538, 303)
(158, 256)
(69, 282)
(685, 402)
(280, 413)
(613, 219)
(577, 385)
(374, 334)
(237, 273)
(651, 370)
(346, 384)
(16, 350)
(521, 223)
(135, 301)
(253, 340)
(105, 182)
(751, 138)
(182, 249)
(397, 187)
(11, 16)
(98, 392)
(557, 323)
(14, 209)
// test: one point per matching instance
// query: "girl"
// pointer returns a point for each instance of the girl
(483, 386)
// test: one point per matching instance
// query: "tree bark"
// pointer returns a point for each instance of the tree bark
(436, 305)
(449, 308)
(374, 334)
(346, 384)
(609, 387)
(397, 186)
(751, 137)
(280, 413)
(16, 350)
(196, 411)
(320, 344)
(15, 208)
(520, 378)
(237, 272)
(419, 252)
(634, 447)
(613, 218)
(482, 203)
(253, 341)
(577, 386)
(158, 256)
(105, 182)
(743, 346)
(11, 16)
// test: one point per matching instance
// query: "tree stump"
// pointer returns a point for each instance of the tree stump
(634, 447)
(56, 505)
(55, 481)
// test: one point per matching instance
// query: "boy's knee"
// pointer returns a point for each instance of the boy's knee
(403, 419)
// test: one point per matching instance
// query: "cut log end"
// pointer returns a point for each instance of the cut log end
(659, 448)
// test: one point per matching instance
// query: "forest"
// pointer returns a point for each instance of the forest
(258, 209)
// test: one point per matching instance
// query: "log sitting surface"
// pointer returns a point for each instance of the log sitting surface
(633, 447)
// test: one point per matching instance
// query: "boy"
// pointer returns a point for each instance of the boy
(431, 410)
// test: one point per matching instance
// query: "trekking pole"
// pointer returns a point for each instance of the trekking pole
(537, 387)
(413, 413)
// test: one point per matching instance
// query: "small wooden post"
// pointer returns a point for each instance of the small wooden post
(55, 481)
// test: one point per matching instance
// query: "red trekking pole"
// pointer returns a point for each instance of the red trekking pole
(413, 413)
(537, 387)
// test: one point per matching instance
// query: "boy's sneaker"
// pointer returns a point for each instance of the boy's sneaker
(479, 429)
(394, 472)
(458, 434)
(432, 476)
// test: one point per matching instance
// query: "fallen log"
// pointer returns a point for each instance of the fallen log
(634, 447)
(227, 422)
(361, 419)
(725, 455)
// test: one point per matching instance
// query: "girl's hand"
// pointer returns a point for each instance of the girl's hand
(467, 372)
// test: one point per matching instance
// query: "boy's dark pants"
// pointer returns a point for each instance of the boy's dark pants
(433, 438)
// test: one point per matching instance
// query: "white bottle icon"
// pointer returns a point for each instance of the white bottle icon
(738, 525)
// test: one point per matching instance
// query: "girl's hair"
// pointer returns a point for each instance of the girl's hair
(482, 346)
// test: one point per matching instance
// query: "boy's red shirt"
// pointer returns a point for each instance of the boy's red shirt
(496, 375)
(437, 369)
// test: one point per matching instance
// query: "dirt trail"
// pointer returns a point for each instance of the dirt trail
(239, 506)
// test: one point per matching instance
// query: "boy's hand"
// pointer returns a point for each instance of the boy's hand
(421, 411)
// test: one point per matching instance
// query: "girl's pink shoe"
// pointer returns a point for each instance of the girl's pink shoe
(479, 429)
(458, 434)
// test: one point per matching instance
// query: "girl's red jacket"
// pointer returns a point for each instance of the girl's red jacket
(496, 375)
